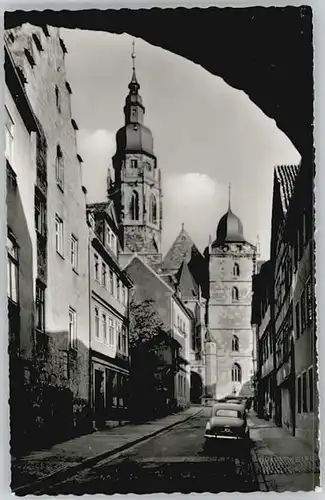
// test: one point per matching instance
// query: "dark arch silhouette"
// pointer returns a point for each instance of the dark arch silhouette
(196, 388)
(265, 51)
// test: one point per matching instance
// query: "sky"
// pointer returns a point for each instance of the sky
(206, 134)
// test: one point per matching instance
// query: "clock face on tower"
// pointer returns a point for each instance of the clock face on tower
(134, 242)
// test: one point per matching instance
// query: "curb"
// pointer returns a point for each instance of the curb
(264, 487)
(36, 487)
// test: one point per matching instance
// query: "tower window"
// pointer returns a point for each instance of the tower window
(134, 163)
(236, 373)
(153, 210)
(235, 343)
(236, 270)
(235, 293)
(134, 206)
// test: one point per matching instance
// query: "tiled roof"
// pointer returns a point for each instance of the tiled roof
(286, 176)
(186, 282)
(182, 249)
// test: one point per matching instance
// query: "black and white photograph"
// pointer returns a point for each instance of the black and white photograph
(160, 245)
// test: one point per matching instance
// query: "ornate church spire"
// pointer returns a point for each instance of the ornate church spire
(134, 84)
(134, 108)
(229, 197)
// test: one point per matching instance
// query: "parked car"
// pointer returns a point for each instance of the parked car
(228, 421)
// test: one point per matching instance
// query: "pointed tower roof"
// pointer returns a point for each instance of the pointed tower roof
(182, 249)
(188, 287)
(230, 227)
(134, 136)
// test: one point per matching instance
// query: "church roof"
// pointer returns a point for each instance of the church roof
(230, 229)
(134, 137)
(186, 282)
(286, 176)
(182, 249)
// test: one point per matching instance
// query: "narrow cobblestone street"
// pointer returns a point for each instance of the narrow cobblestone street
(176, 460)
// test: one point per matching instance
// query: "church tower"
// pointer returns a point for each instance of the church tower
(137, 187)
(230, 261)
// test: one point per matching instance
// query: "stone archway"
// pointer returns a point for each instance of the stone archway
(196, 392)
(266, 52)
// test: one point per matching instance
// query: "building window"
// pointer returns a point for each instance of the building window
(124, 341)
(58, 98)
(104, 275)
(118, 288)
(74, 253)
(153, 210)
(111, 281)
(29, 58)
(303, 311)
(111, 331)
(236, 270)
(134, 206)
(134, 163)
(40, 222)
(37, 42)
(299, 395)
(59, 235)
(236, 373)
(96, 267)
(9, 137)
(309, 302)
(125, 301)
(235, 343)
(97, 333)
(12, 269)
(119, 336)
(235, 293)
(297, 309)
(59, 167)
(311, 388)
(40, 307)
(72, 328)
(104, 326)
(304, 392)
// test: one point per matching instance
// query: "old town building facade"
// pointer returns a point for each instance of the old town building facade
(289, 282)
(61, 330)
(109, 318)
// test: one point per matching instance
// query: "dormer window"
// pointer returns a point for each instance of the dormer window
(111, 239)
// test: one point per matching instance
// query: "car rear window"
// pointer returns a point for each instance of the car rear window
(227, 413)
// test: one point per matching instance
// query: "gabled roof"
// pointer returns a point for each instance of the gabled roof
(186, 283)
(182, 249)
(137, 257)
(104, 207)
(286, 176)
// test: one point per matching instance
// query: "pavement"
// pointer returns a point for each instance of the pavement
(33, 471)
(284, 462)
(168, 455)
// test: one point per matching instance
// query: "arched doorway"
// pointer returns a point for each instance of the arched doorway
(196, 388)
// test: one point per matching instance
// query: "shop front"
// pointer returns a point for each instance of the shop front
(109, 393)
